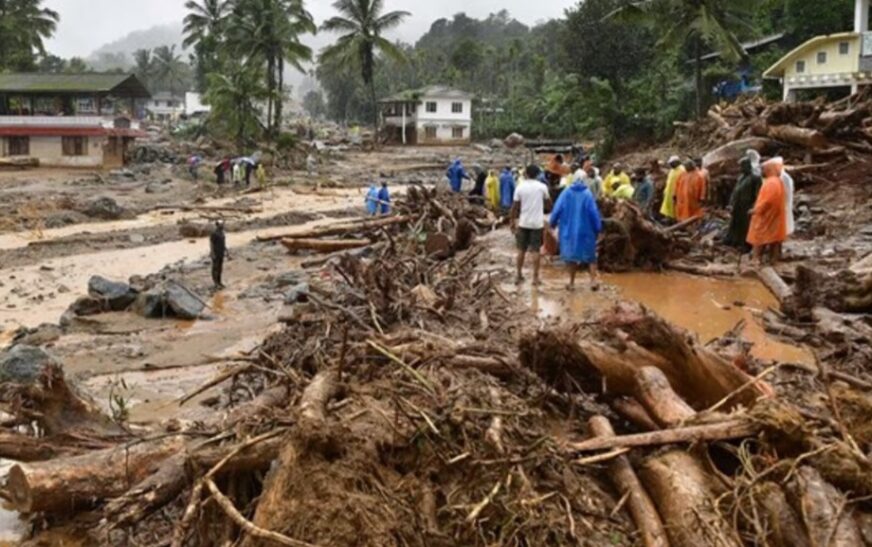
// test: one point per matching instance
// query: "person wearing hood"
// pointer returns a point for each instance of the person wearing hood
(616, 179)
(456, 173)
(768, 227)
(384, 198)
(492, 190)
(690, 193)
(217, 252)
(643, 195)
(676, 169)
(741, 202)
(480, 179)
(507, 189)
(578, 224)
(372, 200)
(789, 188)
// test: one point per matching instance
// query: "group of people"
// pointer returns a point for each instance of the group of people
(378, 200)
(239, 170)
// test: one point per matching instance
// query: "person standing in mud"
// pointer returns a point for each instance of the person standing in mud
(768, 228)
(741, 202)
(531, 199)
(218, 252)
(578, 221)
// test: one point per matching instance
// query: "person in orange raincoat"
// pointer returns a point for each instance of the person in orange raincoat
(690, 193)
(768, 217)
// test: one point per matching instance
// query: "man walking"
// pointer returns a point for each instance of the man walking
(578, 221)
(218, 250)
(528, 220)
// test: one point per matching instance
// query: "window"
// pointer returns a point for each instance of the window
(430, 133)
(844, 48)
(456, 132)
(431, 107)
(74, 146)
(457, 108)
(19, 146)
(822, 57)
(800, 67)
(86, 105)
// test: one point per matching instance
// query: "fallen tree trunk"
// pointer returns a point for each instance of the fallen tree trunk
(779, 289)
(783, 526)
(24, 448)
(626, 482)
(684, 495)
(823, 510)
(324, 245)
(800, 136)
(719, 431)
(658, 398)
(357, 227)
(67, 484)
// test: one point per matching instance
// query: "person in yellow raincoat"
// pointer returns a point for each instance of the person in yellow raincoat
(615, 179)
(676, 169)
(492, 190)
(261, 176)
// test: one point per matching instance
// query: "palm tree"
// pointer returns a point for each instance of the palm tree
(169, 69)
(234, 94)
(204, 31)
(143, 65)
(24, 24)
(269, 31)
(695, 23)
(363, 24)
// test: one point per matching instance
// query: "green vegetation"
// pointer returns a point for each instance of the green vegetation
(24, 24)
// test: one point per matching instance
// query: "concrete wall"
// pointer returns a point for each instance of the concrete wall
(49, 152)
(443, 110)
(444, 133)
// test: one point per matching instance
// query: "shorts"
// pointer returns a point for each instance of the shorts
(529, 239)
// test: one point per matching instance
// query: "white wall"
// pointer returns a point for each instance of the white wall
(443, 110)
(444, 132)
(49, 152)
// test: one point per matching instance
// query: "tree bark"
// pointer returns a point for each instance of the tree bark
(639, 504)
(720, 431)
(828, 521)
(779, 289)
(684, 495)
(800, 136)
(782, 523)
(324, 245)
(658, 398)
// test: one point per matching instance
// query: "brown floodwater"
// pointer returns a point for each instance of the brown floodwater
(707, 306)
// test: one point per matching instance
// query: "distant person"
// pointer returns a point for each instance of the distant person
(789, 189)
(492, 190)
(768, 228)
(456, 174)
(247, 170)
(707, 178)
(261, 176)
(676, 169)
(194, 166)
(218, 251)
(384, 198)
(480, 179)
(221, 170)
(594, 180)
(644, 192)
(311, 164)
(741, 202)
(237, 172)
(528, 220)
(578, 222)
(690, 193)
(372, 200)
(616, 179)
(555, 171)
(507, 189)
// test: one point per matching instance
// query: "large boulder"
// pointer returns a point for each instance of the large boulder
(169, 299)
(22, 364)
(514, 140)
(116, 296)
(104, 208)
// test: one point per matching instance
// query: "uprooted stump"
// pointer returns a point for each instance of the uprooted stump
(631, 241)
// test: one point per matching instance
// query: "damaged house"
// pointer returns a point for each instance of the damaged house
(432, 115)
(69, 120)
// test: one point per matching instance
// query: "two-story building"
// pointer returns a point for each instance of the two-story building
(69, 120)
(842, 60)
(165, 106)
(432, 115)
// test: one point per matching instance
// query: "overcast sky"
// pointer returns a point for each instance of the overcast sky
(88, 24)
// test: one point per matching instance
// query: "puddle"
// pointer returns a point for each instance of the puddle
(707, 306)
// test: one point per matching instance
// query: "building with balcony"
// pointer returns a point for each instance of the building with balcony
(433, 115)
(69, 120)
(842, 60)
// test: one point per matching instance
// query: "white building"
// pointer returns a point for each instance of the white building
(165, 106)
(194, 105)
(432, 115)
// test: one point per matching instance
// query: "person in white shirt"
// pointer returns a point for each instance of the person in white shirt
(528, 220)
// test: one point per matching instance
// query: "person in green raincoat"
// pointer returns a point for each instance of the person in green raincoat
(741, 202)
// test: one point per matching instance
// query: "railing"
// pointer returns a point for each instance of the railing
(61, 121)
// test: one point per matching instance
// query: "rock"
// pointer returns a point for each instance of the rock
(23, 364)
(150, 304)
(137, 238)
(495, 143)
(87, 305)
(169, 299)
(104, 208)
(156, 188)
(40, 336)
(115, 296)
(484, 149)
(297, 294)
(183, 302)
(514, 140)
(287, 279)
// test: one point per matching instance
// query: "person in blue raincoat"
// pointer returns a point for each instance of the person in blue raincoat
(507, 190)
(456, 173)
(578, 222)
(384, 197)
(372, 200)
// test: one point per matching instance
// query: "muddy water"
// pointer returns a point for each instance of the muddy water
(705, 305)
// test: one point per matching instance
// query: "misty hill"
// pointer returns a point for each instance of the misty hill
(118, 53)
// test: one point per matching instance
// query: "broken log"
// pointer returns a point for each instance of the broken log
(779, 289)
(718, 431)
(67, 484)
(355, 227)
(800, 136)
(685, 498)
(24, 448)
(824, 510)
(639, 504)
(658, 398)
(782, 525)
(324, 245)
(725, 159)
